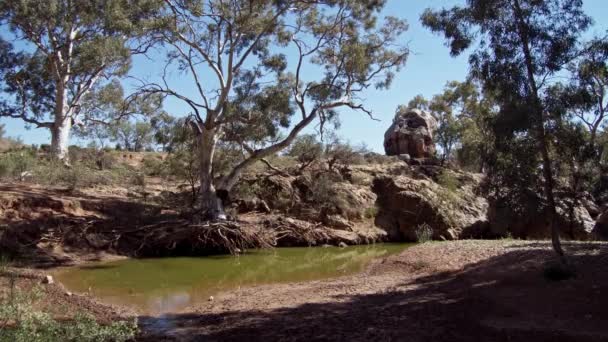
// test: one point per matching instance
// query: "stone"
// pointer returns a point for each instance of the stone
(338, 222)
(96, 241)
(48, 279)
(406, 203)
(411, 133)
(404, 157)
(530, 221)
(600, 229)
(342, 245)
(591, 207)
(25, 176)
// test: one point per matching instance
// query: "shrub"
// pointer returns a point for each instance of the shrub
(13, 164)
(306, 149)
(138, 179)
(371, 212)
(377, 158)
(105, 160)
(424, 233)
(20, 321)
(448, 180)
(153, 166)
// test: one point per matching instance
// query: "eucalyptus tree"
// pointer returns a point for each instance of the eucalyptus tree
(587, 94)
(520, 46)
(264, 70)
(62, 49)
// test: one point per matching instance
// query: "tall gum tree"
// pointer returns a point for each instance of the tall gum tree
(62, 49)
(521, 44)
(251, 63)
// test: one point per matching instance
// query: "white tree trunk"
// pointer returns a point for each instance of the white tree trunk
(60, 132)
(209, 204)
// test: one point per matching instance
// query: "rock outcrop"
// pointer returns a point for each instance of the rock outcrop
(529, 222)
(406, 203)
(411, 134)
(600, 230)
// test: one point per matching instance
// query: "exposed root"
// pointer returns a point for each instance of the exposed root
(291, 232)
(184, 237)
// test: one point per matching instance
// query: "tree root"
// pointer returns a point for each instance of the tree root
(184, 237)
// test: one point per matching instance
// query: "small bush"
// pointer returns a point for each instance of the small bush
(424, 233)
(371, 212)
(13, 164)
(138, 179)
(448, 180)
(20, 321)
(105, 160)
(153, 166)
(5, 262)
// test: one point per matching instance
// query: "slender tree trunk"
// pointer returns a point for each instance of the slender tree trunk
(60, 131)
(548, 189)
(209, 203)
(541, 134)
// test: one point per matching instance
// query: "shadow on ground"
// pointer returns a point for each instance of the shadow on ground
(504, 298)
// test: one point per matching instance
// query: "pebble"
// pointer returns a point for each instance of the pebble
(48, 280)
(211, 298)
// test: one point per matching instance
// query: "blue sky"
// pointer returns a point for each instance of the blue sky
(428, 68)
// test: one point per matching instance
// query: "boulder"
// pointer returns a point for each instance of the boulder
(530, 220)
(600, 230)
(337, 222)
(251, 205)
(406, 203)
(411, 134)
(48, 279)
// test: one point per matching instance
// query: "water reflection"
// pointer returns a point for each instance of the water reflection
(156, 286)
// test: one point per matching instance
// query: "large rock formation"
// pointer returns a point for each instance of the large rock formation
(411, 133)
(529, 221)
(406, 204)
(600, 231)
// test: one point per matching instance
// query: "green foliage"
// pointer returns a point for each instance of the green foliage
(340, 153)
(371, 212)
(20, 321)
(306, 149)
(424, 233)
(99, 35)
(264, 101)
(463, 113)
(521, 69)
(448, 180)
(153, 166)
(133, 136)
(14, 164)
(5, 261)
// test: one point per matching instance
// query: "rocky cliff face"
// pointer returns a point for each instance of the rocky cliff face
(411, 133)
(406, 204)
(530, 221)
(392, 201)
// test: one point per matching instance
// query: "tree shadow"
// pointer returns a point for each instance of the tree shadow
(503, 298)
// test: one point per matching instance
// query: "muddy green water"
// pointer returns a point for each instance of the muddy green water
(156, 286)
